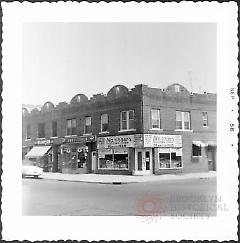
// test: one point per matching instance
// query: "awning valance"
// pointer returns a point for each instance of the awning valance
(38, 151)
(200, 144)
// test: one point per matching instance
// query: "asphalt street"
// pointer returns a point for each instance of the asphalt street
(190, 197)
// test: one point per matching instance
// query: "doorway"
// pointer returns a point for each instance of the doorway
(143, 162)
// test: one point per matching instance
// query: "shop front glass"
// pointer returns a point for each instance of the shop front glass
(170, 158)
(113, 158)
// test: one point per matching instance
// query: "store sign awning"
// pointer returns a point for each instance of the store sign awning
(38, 151)
(200, 144)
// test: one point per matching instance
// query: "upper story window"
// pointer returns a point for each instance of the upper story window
(182, 120)
(155, 119)
(41, 130)
(54, 129)
(204, 119)
(104, 122)
(127, 120)
(88, 125)
(28, 132)
(71, 127)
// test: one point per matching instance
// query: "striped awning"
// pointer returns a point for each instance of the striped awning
(38, 151)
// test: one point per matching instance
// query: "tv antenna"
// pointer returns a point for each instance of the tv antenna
(190, 79)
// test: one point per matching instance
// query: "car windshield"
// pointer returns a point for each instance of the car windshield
(27, 162)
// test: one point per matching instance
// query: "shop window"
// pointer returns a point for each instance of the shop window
(41, 130)
(71, 127)
(104, 122)
(155, 119)
(196, 150)
(170, 160)
(204, 119)
(113, 159)
(54, 129)
(88, 125)
(28, 132)
(127, 120)
(182, 120)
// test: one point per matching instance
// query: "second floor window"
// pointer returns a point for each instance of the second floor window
(28, 132)
(54, 129)
(104, 122)
(88, 125)
(71, 127)
(41, 130)
(182, 120)
(155, 119)
(127, 120)
(204, 119)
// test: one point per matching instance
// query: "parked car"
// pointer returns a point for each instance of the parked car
(30, 169)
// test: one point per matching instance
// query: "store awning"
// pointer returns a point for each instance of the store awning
(212, 143)
(38, 151)
(199, 143)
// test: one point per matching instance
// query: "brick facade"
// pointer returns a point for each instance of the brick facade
(141, 99)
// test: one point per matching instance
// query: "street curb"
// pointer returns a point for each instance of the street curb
(130, 182)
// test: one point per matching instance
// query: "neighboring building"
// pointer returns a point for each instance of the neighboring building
(139, 131)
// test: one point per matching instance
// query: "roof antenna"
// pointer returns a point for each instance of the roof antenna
(190, 79)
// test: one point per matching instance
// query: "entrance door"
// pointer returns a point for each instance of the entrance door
(143, 162)
(94, 161)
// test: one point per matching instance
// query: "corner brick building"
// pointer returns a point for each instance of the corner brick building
(139, 131)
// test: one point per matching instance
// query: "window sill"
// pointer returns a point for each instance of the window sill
(106, 132)
(127, 130)
(70, 136)
(181, 130)
(113, 169)
(170, 168)
(27, 139)
(53, 137)
(40, 138)
(200, 156)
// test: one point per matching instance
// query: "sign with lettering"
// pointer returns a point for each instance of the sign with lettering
(80, 139)
(124, 141)
(162, 141)
(43, 142)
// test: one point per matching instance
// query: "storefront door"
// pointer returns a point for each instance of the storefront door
(143, 162)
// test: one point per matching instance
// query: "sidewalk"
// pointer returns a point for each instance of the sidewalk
(124, 179)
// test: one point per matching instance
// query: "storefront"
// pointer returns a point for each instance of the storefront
(115, 154)
(167, 150)
(76, 153)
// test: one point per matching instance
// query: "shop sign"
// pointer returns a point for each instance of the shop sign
(80, 139)
(162, 140)
(120, 151)
(116, 141)
(43, 142)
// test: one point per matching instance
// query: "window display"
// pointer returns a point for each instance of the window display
(170, 159)
(113, 159)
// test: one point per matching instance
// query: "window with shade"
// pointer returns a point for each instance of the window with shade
(41, 130)
(127, 120)
(155, 119)
(182, 120)
(104, 122)
(54, 129)
(28, 132)
(71, 127)
(88, 125)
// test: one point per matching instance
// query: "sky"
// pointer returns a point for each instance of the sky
(61, 59)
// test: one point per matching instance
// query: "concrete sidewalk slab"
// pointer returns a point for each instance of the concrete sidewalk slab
(124, 179)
